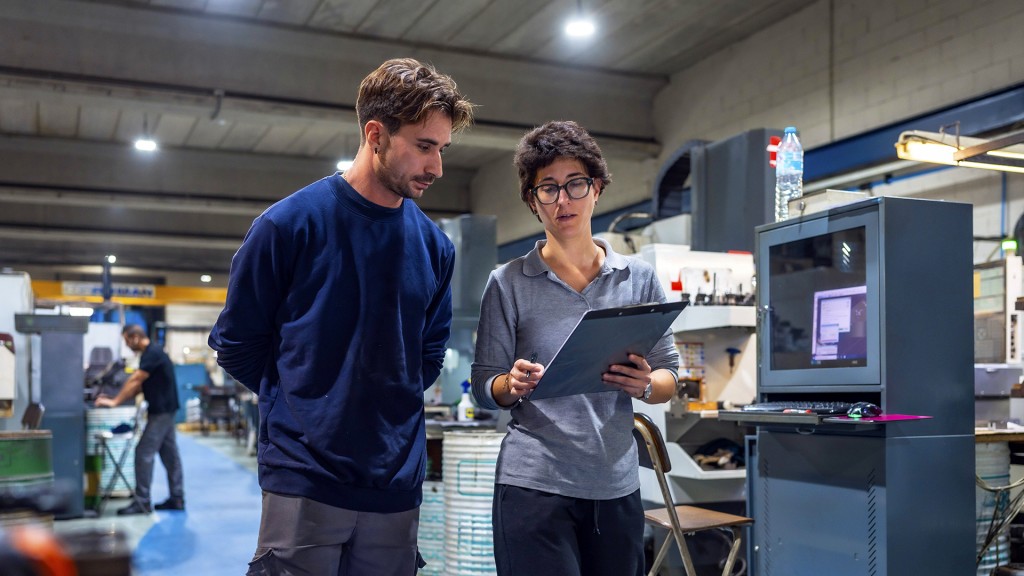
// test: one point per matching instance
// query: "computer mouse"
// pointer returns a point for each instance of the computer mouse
(864, 410)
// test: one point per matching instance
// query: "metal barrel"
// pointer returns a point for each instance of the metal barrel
(26, 464)
(468, 465)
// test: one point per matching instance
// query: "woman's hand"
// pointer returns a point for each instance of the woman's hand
(630, 378)
(523, 377)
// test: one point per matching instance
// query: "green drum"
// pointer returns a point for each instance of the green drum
(26, 458)
(26, 462)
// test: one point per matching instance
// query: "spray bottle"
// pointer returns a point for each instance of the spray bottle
(465, 407)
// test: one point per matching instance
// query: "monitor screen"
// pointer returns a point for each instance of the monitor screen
(840, 327)
(819, 307)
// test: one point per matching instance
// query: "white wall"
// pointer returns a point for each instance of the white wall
(842, 67)
(188, 328)
(16, 298)
(496, 192)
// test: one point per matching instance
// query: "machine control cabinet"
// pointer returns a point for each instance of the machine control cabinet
(866, 302)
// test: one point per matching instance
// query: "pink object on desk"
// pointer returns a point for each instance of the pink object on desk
(882, 418)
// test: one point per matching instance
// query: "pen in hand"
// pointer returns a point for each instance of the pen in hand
(533, 358)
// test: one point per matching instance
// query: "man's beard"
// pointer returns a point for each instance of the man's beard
(393, 181)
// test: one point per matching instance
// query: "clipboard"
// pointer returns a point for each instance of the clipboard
(602, 338)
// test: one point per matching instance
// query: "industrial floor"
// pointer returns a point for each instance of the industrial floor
(215, 535)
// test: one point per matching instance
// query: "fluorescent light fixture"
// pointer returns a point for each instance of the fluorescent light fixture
(580, 27)
(344, 165)
(206, 278)
(1005, 153)
(79, 311)
(146, 144)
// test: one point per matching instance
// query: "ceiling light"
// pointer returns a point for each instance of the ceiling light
(580, 26)
(1004, 153)
(206, 278)
(145, 144)
(344, 165)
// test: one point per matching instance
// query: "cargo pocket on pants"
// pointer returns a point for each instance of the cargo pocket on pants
(420, 563)
(264, 564)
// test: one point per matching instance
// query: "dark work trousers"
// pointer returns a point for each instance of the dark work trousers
(158, 438)
(302, 537)
(543, 534)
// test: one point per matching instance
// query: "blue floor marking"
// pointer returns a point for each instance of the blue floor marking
(217, 533)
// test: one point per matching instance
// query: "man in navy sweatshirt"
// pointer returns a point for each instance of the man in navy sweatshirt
(337, 315)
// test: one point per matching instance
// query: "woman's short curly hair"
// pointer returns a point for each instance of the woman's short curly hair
(543, 145)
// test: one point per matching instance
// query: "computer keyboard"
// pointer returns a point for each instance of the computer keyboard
(809, 407)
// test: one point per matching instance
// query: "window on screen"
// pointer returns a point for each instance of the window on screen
(840, 325)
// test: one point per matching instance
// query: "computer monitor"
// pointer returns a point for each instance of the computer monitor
(818, 289)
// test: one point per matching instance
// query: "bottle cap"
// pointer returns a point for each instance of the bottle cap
(790, 130)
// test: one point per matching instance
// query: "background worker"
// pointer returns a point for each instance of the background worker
(155, 379)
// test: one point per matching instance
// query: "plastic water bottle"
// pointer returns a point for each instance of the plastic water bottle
(789, 173)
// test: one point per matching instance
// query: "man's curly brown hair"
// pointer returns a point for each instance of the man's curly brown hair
(404, 90)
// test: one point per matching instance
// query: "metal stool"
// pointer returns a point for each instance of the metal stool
(103, 439)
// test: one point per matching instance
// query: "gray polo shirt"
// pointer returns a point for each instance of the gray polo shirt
(579, 446)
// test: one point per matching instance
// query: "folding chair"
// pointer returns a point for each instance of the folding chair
(106, 451)
(679, 520)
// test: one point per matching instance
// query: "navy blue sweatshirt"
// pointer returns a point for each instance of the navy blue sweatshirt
(338, 311)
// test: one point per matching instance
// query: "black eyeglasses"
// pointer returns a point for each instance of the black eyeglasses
(576, 188)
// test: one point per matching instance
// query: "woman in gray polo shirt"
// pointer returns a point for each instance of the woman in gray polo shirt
(567, 493)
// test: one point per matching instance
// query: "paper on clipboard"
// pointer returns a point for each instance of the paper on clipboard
(602, 338)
